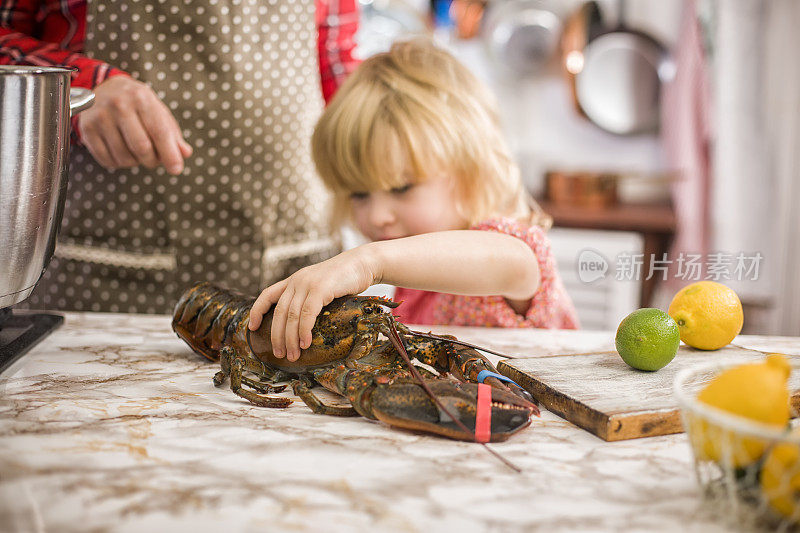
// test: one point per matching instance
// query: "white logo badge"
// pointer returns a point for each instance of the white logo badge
(591, 266)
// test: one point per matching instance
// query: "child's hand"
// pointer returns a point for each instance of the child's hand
(299, 298)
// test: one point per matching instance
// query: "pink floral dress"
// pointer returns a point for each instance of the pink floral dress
(550, 307)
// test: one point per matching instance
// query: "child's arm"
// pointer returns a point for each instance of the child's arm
(468, 262)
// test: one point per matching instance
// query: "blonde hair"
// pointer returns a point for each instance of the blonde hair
(417, 108)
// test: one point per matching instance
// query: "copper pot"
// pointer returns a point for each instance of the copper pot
(593, 190)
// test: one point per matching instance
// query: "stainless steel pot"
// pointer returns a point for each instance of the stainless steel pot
(36, 104)
(522, 35)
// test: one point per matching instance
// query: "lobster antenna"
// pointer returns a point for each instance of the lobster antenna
(456, 341)
(401, 348)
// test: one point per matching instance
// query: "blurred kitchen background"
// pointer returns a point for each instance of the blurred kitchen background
(645, 127)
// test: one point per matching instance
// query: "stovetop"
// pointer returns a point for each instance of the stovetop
(21, 332)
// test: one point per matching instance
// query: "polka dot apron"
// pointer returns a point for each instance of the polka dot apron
(242, 79)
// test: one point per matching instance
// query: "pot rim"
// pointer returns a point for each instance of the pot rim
(34, 69)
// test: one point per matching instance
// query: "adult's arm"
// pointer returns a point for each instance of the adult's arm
(337, 23)
(20, 44)
(128, 125)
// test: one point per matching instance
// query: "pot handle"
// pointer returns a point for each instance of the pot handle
(79, 99)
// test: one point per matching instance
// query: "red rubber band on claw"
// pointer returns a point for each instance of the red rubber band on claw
(483, 417)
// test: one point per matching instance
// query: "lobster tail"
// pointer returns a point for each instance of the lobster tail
(206, 317)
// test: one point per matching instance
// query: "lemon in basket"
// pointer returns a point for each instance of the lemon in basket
(709, 314)
(780, 479)
(755, 391)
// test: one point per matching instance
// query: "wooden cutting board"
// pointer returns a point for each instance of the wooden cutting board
(601, 394)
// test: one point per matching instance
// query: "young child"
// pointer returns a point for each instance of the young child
(412, 150)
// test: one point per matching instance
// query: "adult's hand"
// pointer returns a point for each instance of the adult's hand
(128, 125)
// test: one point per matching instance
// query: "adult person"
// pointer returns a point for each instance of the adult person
(193, 164)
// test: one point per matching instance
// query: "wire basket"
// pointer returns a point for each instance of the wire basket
(749, 472)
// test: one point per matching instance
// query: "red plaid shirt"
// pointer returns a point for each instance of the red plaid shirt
(51, 33)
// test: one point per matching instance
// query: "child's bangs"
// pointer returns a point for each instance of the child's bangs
(385, 159)
(363, 154)
(397, 153)
(418, 146)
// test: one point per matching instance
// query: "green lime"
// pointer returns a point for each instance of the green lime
(648, 339)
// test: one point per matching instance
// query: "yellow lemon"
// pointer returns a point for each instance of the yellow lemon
(780, 479)
(709, 314)
(755, 391)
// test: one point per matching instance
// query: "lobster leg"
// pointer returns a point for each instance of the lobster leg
(302, 389)
(235, 365)
(225, 371)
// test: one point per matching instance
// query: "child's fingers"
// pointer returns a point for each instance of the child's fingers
(278, 334)
(259, 309)
(264, 301)
(308, 317)
(292, 320)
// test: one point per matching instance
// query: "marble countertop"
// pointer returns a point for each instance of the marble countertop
(113, 424)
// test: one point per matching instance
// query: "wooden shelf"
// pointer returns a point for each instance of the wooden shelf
(656, 218)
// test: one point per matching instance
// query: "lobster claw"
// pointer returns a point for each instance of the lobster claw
(408, 405)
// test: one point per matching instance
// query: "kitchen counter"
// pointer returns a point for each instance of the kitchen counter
(112, 423)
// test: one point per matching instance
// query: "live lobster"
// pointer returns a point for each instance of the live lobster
(347, 356)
